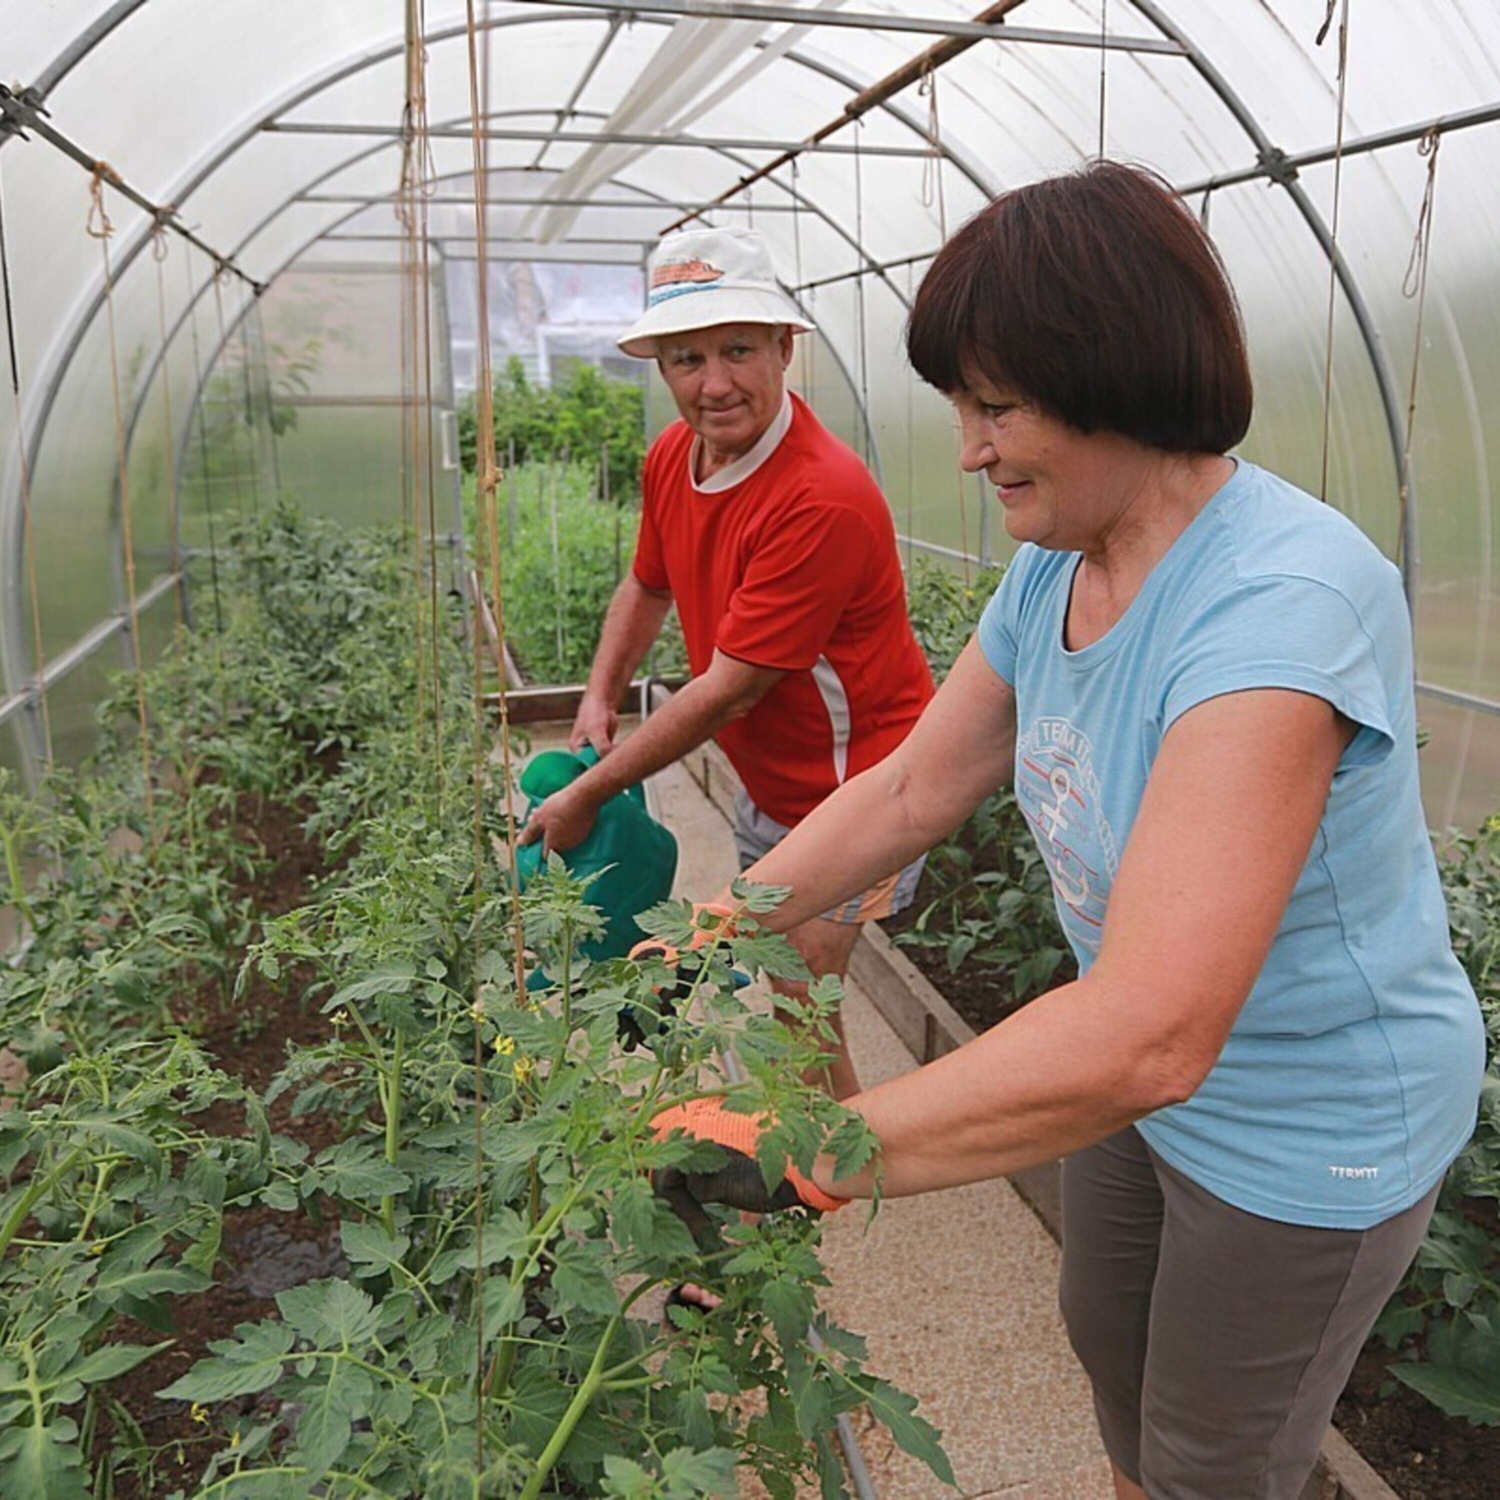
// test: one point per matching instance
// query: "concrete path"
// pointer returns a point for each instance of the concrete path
(955, 1291)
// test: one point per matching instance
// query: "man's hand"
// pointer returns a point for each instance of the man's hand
(739, 1182)
(595, 724)
(563, 821)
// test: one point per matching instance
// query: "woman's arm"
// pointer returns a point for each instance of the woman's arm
(1228, 817)
(958, 752)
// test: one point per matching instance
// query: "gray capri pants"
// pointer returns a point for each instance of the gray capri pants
(756, 834)
(1217, 1342)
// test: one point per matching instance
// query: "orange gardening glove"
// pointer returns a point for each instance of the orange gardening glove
(637, 1023)
(738, 1182)
(720, 925)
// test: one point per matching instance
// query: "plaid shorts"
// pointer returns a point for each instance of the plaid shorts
(755, 835)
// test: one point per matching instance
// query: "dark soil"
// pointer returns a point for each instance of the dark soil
(264, 1251)
(982, 996)
(1419, 1451)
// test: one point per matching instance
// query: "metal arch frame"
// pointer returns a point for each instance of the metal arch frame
(1148, 8)
(338, 221)
(14, 661)
(650, 198)
(1374, 349)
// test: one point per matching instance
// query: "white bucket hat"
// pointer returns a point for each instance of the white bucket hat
(704, 277)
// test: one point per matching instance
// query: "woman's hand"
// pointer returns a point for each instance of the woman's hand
(739, 1182)
(713, 922)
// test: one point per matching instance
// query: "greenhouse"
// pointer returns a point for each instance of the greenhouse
(480, 477)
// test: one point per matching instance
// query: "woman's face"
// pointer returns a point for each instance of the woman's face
(1058, 487)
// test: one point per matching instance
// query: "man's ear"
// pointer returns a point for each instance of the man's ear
(788, 348)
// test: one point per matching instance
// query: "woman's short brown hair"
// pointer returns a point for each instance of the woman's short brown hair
(1099, 297)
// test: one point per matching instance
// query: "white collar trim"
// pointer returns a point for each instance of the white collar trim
(743, 467)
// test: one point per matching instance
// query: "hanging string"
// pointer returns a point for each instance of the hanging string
(99, 227)
(270, 403)
(407, 197)
(810, 341)
(1103, 71)
(932, 166)
(1414, 285)
(207, 478)
(234, 447)
(859, 290)
(429, 171)
(251, 443)
(159, 251)
(932, 192)
(1333, 248)
(28, 535)
(485, 494)
(911, 438)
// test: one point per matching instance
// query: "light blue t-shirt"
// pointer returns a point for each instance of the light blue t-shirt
(1351, 1077)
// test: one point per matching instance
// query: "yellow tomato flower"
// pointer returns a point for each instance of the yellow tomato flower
(198, 1413)
(505, 1045)
(523, 1068)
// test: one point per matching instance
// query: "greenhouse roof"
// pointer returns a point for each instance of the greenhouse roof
(855, 136)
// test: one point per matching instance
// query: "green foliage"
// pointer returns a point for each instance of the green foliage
(490, 1175)
(989, 903)
(1445, 1320)
(576, 416)
(564, 553)
(987, 896)
(945, 608)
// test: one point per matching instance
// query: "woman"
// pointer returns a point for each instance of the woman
(1201, 681)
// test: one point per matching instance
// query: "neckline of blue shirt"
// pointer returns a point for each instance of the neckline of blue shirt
(1086, 657)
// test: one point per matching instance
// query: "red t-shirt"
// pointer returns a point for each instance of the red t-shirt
(791, 565)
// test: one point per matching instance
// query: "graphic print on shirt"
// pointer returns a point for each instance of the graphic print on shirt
(1059, 793)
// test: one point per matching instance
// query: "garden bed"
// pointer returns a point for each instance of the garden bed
(255, 1235)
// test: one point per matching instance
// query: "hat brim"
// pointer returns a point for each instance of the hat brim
(709, 309)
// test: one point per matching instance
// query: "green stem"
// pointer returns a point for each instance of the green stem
(391, 1101)
(17, 884)
(34, 1194)
(574, 1414)
(498, 1380)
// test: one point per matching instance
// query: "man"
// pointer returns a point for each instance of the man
(778, 549)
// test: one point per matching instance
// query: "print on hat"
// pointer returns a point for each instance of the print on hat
(675, 277)
(731, 270)
(1059, 794)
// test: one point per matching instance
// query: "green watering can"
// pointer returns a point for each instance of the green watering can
(637, 855)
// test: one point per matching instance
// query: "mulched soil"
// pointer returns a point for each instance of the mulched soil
(982, 996)
(264, 1251)
(1418, 1450)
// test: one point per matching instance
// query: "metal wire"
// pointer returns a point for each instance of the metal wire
(1414, 285)
(28, 534)
(1333, 227)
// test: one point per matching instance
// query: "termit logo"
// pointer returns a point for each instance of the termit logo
(1359, 1174)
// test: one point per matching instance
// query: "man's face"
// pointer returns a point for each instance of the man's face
(727, 381)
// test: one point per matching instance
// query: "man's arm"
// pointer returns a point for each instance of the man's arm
(727, 691)
(958, 752)
(631, 623)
